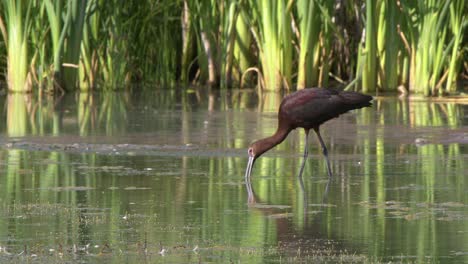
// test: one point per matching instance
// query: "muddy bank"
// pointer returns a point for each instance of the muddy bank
(116, 149)
(74, 145)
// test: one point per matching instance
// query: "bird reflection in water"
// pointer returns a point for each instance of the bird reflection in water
(301, 232)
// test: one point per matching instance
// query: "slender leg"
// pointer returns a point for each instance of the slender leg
(324, 150)
(306, 152)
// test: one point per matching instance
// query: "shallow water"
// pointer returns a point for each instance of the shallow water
(158, 177)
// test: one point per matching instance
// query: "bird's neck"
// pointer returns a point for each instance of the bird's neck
(275, 139)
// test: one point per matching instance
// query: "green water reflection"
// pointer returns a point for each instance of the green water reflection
(399, 192)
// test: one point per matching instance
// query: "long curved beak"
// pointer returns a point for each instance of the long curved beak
(248, 171)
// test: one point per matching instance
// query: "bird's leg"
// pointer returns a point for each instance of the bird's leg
(324, 150)
(306, 146)
(306, 152)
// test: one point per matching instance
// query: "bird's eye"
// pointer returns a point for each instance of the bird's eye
(250, 151)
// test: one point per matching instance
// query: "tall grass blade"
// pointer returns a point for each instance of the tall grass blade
(16, 24)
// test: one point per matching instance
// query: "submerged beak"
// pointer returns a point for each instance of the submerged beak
(248, 171)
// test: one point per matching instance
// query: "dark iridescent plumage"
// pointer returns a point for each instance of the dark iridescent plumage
(308, 108)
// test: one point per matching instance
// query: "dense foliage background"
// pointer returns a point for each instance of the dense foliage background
(415, 46)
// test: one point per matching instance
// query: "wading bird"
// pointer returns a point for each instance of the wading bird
(308, 108)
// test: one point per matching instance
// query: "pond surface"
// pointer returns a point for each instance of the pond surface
(159, 177)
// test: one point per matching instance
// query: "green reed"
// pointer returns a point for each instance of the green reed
(388, 44)
(206, 15)
(112, 46)
(273, 36)
(95, 44)
(426, 31)
(75, 19)
(15, 25)
(458, 23)
(369, 70)
(315, 28)
(308, 15)
(55, 10)
(243, 57)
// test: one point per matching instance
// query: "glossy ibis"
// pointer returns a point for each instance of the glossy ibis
(308, 108)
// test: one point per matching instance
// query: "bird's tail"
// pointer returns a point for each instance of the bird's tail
(356, 100)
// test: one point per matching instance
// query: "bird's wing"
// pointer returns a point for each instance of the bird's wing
(312, 108)
(308, 103)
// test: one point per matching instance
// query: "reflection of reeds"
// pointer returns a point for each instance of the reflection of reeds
(379, 194)
(86, 115)
(113, 113)
(26, 115)
(31, 115)
(15, 161)
(107, 113)
(426, 114)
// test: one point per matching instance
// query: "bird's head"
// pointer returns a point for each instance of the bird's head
(255, 150)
